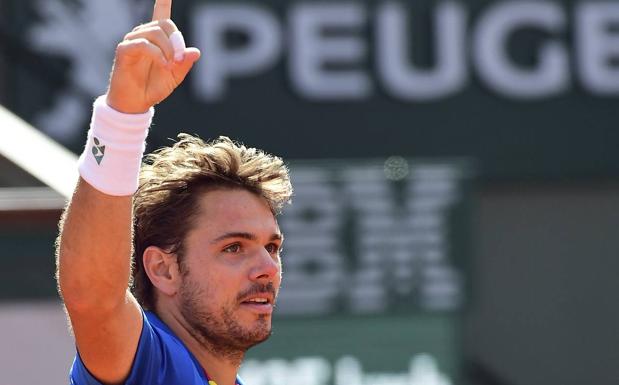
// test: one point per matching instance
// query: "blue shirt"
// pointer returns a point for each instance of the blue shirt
(161, 359)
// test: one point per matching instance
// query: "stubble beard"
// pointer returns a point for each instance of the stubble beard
(217, 330)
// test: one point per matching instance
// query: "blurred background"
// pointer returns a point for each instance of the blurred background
(455, 165)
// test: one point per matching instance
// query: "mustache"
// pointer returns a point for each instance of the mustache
(258, 288)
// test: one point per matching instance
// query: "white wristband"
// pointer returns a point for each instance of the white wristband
(113, 154)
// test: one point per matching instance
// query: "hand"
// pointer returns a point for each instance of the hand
(145, 72)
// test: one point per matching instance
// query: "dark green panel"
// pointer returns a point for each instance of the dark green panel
(355, 351)
(27, 256)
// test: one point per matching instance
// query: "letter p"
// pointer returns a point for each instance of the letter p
(211, 26)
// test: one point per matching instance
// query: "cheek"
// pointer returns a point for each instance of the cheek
(207, 279)
(224, 286)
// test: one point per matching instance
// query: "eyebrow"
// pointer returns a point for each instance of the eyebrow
(248, 236)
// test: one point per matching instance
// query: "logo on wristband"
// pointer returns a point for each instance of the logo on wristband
(98, 151)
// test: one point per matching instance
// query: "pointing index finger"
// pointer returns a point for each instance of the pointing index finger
(162, 10)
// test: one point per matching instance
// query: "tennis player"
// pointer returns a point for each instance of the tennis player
(199, 219)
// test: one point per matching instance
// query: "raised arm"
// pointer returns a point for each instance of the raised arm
(94, 248)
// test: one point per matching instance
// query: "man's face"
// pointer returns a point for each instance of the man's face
(232, 270)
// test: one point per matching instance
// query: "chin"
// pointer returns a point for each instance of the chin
(260, 332)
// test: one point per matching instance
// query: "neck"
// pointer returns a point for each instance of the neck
(220, 363)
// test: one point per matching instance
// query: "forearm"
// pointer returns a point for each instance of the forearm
(94, 249)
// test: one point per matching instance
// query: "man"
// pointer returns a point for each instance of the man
(206, 241)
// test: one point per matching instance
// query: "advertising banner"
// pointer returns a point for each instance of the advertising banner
(529, 89)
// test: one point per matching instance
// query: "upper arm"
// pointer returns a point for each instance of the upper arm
(94, 267)
(107, 340)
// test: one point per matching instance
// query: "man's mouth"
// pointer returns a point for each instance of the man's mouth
(259, 303)
(259, 298)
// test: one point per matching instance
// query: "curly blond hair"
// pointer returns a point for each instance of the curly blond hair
(173, 178)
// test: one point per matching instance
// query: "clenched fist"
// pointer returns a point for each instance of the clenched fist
(145, 71)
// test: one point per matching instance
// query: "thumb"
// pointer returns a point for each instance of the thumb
(181, 69)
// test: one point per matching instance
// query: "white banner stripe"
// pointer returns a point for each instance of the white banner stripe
(37, 154)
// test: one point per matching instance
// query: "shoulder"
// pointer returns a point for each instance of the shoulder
(161, 358)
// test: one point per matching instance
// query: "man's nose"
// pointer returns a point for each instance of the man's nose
(267, 266)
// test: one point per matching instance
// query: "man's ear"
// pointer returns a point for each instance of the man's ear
(162, 269)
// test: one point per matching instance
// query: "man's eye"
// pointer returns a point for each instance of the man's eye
(272, 248)
(234, 248)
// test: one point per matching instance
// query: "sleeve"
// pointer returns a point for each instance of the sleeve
(147, 363)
